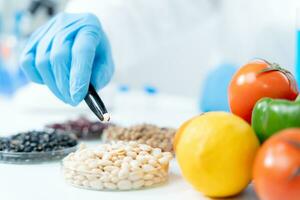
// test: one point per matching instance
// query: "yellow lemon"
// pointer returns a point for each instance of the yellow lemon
(215, 152)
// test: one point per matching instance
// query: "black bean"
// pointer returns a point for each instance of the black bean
(21, 148)
(26, 137)
(27, 149)
(27, 143)
(45, 137)
(34, 139)
(37, 141)
(33, 144)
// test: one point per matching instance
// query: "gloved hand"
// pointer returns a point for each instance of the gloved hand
(68, 53)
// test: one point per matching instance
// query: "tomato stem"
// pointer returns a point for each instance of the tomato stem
(277, 67)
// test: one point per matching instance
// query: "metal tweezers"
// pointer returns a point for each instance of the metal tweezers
(95, 103)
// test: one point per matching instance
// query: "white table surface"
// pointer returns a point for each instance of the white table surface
(34, 107)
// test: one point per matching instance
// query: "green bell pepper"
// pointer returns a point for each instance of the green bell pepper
(272, 115)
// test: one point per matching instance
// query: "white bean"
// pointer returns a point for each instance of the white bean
(123, 173)
(104, 162)
(118, 163)
(91, 177)
(92, 164)
(131, 154)
(106, 156)
(128, 148)
(156, 152)
(96, 171)
(145, 147)
(148, 183)
(124, 185)
(135, 164)
(96, 184)
(110, 168)
(127, 159)
(77, 182)
(148, 176)
(157, 180)
(82, 168)
(133, 176)
(138, 184)
(148, 168)
(86, 183)
(142, 159)
(125, 165)
(168, 155)
(133, 143)
(79, 177)
(110, 186)
(105, 177)
(136, 149)
(153, 162)
(163, 160)
(115, 172)
(114, 179)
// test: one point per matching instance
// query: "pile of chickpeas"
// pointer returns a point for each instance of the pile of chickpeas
(154, 136)
(117, 166)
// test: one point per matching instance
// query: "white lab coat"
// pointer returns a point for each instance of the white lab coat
(172, 44)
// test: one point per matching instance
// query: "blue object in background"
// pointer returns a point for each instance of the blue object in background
(150, 90)
(11, 82)
(123, 88)
(20, 79)
(6, 81)
(1, 22)
(17, 23)
(297, 70)
(214, 92)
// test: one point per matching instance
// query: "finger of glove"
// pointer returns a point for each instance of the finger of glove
(60, 56)
(83, 54)
(28, 67)
(36, 37)
(103, 68)
(28, 55)
(44, 68)
(60, 60)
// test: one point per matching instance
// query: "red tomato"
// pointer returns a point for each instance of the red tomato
(276, 171)
(258, 79)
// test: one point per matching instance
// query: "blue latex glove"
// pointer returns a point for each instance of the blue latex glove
(68, 53)
(214, 95)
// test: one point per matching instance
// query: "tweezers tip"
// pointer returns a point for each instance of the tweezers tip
(106, 117)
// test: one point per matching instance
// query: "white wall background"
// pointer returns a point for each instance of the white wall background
(173, 44)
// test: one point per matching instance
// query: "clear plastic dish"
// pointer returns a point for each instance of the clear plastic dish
(34, 157)
(104, 181)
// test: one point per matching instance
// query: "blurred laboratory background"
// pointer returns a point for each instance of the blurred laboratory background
(176, 56)
(18, 19)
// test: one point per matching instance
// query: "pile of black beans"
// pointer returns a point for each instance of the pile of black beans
(81, 127)
(37, 141)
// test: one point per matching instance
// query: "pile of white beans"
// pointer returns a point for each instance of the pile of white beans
(117, 166)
